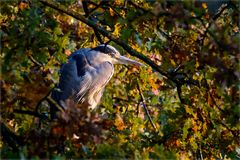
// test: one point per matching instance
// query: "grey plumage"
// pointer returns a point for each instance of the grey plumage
(84, 76)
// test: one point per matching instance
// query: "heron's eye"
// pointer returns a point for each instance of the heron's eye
(112, 54)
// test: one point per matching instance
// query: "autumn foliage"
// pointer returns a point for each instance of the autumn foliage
(183, 105)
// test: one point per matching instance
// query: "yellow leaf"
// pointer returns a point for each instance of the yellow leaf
(172, 62)
(193, 143)
(197, 64)
(204, 128)
(204, 5)
(117, 29)
(195, 77)
(118, 2)
(189, 110)
(111, 12)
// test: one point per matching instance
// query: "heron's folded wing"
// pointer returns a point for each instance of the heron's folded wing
(74, 79)
(102, 75)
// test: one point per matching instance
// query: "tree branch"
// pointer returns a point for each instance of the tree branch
(31, 113)
(220, 11)
(111, 37)
(179, 91)
(34, 61)
(96, 6)
(235, 133)
(215, 17)
(10, 137)
(105, 33)
(86, 10)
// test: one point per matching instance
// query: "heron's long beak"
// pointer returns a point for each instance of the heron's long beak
(125, 60)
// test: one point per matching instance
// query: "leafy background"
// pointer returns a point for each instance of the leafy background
(183, 105)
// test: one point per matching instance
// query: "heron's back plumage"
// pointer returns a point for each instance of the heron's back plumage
(83, 78)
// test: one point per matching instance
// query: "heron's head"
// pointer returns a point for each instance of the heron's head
(115, 56)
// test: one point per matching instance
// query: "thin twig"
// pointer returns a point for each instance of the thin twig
(200, 150)
(10, 137)
(96, 6)
(213, 99)
(86, 10)
(115, 11)
(34, 61)
(145, 107)
(138, 108)
(43, 99)
(235, 133)
(138, 7)
(220, 11)
(31, 113)
(215, 17)
(179, 91)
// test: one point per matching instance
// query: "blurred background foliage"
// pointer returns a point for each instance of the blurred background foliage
(192, 113)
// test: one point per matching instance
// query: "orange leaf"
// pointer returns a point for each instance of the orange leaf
(111, 12)
(119, 122)
(67, 52)
(22, 5)
(209, 100)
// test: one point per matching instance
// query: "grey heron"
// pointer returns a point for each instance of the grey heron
(84, 76)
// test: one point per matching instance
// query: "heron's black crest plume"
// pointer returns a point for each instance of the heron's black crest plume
(105, 49)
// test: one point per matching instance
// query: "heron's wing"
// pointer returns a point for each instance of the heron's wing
(73, 79)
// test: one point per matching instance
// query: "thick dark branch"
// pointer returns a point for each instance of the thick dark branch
(98, 36)
(105, 33)
(125, 46)
(86, 10)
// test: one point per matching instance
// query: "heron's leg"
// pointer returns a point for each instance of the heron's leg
(98, 96)
(92, 103)
(94, 99)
